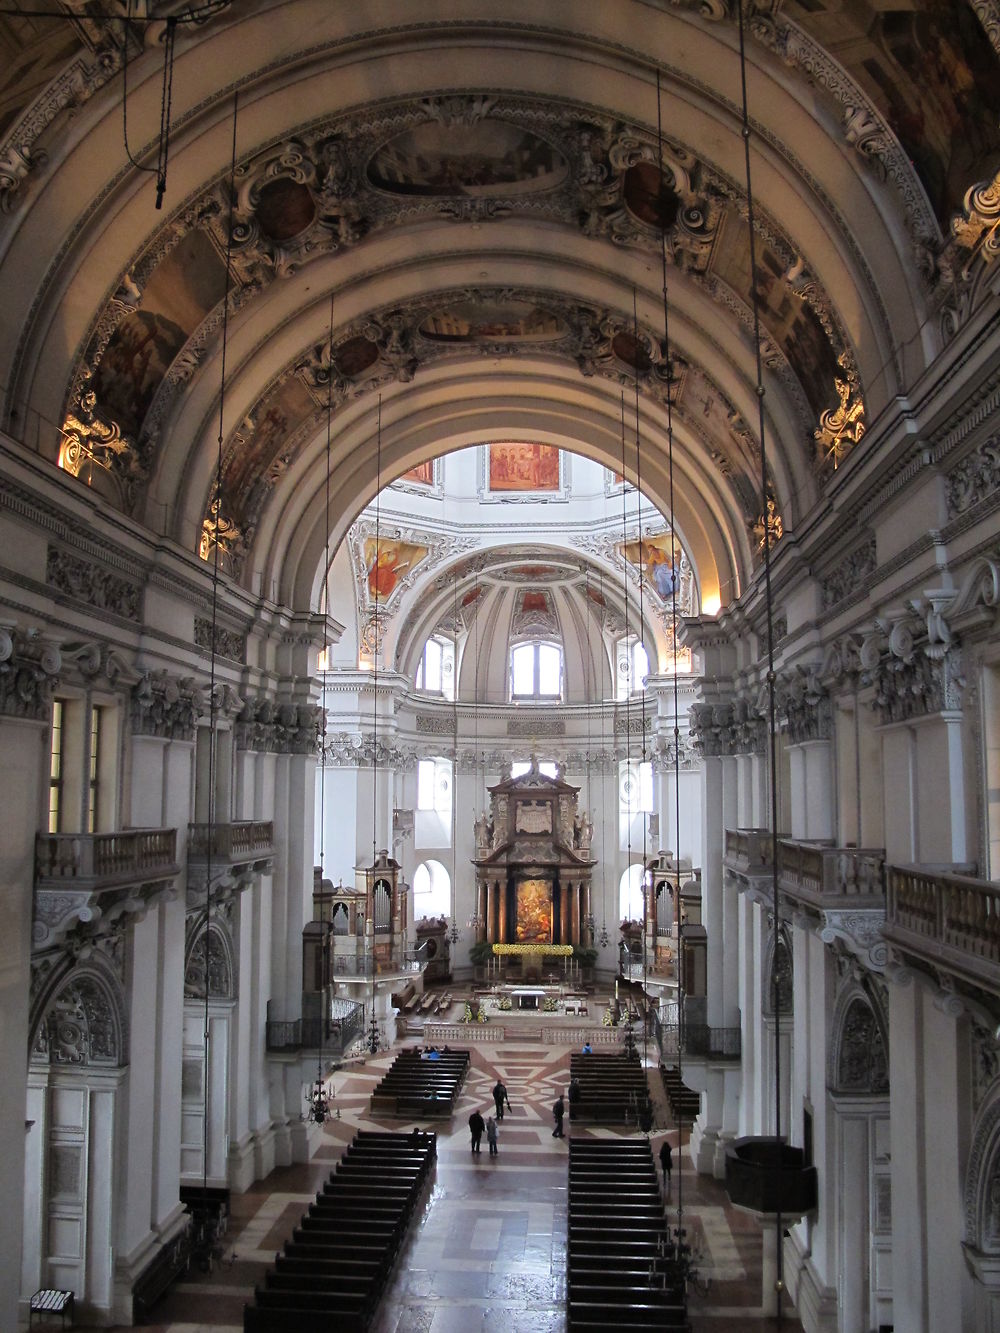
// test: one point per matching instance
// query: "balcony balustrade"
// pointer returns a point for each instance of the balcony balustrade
(949, 921)
(86, 881)
(748, 850)
(232, 854)
(817, 875)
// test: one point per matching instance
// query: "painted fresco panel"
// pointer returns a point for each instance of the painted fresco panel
(481, 320)
(284, 409)
(929, 67)
(659, 558)
(524, 467)
(177, 297)
(789, 320)
(534, 912)
(386, 562)
(486, 159)
(423, 473)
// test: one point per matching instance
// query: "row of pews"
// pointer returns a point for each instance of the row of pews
(420, 1086)
(620, 1269)
(333, 1270)
(612, 1088)
(685, 1103)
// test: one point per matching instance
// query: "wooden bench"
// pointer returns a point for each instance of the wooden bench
(52, 1300)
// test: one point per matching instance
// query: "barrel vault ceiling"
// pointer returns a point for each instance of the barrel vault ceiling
(454, 222)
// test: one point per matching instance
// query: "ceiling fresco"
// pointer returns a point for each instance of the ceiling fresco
(464, 157)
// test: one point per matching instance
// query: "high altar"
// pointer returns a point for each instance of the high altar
(534, 864)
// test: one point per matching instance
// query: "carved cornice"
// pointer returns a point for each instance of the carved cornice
(723, 729)
(354, 750)
(29, 668)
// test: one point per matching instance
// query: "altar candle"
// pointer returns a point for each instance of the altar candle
(616, 988)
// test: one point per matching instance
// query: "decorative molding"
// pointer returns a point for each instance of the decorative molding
(861, 931)
(88, 582)
(913, 679)
(526, 725)
(803, 705)
(83, 1025)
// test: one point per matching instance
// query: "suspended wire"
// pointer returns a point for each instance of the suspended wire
(373, 1034)
(213, 702)
(454, 775)
(769, 607)
(166, 99)
(674, 585)
(632, 657)
(628, 698)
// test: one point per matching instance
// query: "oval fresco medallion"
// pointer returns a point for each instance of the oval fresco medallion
(488, 159)
(284, 209)
(630, 350)
(488, 321)
(354, 356)
(649, 198)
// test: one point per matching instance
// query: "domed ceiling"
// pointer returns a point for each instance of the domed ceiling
(390, 234)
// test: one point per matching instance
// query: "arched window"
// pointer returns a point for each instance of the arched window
(536, 671)
(630, 903)
(431, 890)
(436, 669)
(632, 667)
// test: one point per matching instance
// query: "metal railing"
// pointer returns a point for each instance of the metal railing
(231, 842)
(341, 1030)
(106, 858)
(817, 871)
(698, 1039)
(363, 965)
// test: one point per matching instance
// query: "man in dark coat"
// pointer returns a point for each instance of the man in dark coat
(476, 1126)
(558, 1111)
(499, 1097)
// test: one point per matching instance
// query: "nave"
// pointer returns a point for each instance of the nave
(488, 1247)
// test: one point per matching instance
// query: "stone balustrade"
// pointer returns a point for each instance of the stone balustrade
(822, 875)
(749, 850)
(246, 840)
(86, 881)
(949, 921)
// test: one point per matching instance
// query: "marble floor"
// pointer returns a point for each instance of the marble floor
(488, 1248)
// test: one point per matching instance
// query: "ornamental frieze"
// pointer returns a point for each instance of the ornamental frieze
(223, 642)
(92, 584)
(29, 668)
(849, 577)
(975, 478)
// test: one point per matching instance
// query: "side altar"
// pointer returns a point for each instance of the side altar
(534, 864)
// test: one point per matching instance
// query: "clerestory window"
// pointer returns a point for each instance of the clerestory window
(536, 671)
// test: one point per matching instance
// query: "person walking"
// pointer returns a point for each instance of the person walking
(476, 1126)
(558, 1111)
(500, 1097)
(667, 1162)
(491, 1135)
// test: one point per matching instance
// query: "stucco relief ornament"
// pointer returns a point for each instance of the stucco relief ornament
(842, 427)
(862, 934)
(976, 477)
(29, 667)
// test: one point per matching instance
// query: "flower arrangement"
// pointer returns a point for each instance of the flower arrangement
(467, 1016)
(550, 1004)
(504, 1003)
(557, 950)
(609, 1017)
(482, 1018)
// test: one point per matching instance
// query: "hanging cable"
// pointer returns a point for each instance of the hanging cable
(682, 1249)
(624, 948)
(213, 700)
(166, 99)
(769, 609)
(373, 1032)
(454, 774)
(633, 658)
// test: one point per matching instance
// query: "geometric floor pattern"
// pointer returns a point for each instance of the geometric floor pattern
(488, 1248)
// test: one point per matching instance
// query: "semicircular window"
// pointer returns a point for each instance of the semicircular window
(285, 208)
(480, 321)
(488, 159)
